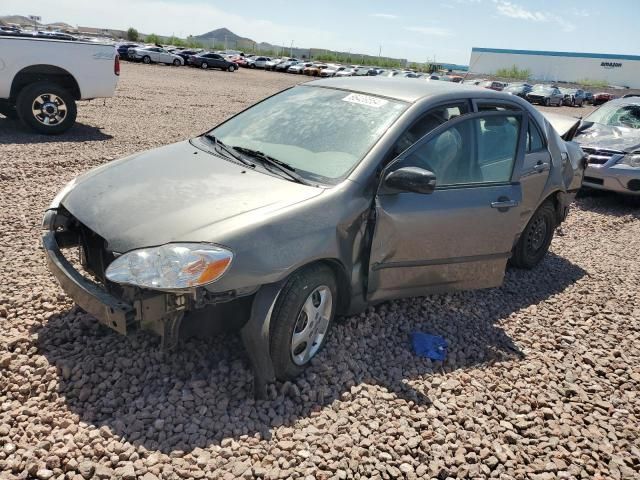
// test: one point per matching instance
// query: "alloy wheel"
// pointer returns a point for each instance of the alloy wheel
(49, 109)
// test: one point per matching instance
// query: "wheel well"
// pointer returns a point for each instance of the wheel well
(50, 73)
(557, 206)
(342, 281)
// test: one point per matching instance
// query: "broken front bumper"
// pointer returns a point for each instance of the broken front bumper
(106, 308)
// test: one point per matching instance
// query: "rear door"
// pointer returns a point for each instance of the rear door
(461, 235)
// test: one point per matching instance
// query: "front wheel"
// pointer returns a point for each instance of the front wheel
(547, 102)
(146, 59)
(231, 68)
(176, 63)
(534, 242)
(204, 65)
(301, 319)
(46, 107)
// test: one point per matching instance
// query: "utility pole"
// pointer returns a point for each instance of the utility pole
(380, 52)
(225, 43)
(291, 49)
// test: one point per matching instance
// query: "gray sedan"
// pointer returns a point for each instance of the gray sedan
(316, 202)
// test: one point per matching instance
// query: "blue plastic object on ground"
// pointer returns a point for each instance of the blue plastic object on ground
(429, 346)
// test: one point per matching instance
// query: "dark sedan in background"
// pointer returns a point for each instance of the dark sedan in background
(545, 95)
(211, 60)
(573, 97)
(519, 89)
(123, 49)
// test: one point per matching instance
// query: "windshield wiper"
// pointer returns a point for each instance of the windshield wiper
(284, 167)
(229, 151)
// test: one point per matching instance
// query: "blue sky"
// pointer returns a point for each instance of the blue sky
(419, 30)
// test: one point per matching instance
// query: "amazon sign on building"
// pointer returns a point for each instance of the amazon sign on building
(616, 70)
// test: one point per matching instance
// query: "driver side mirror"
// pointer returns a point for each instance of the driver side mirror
(411, 179)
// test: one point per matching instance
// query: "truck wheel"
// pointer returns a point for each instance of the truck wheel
(146, 59)
(534, 242)
(301, 319)
(46, 107)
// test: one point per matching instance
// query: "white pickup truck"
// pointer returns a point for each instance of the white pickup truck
(41, 79)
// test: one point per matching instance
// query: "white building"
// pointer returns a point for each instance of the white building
(617, 70)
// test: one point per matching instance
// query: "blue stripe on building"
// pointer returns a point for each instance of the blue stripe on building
(599, 56)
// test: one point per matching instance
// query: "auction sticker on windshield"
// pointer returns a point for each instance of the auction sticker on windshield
(360, 99)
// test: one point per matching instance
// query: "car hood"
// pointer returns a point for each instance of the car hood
(598, 135)
(168, 193)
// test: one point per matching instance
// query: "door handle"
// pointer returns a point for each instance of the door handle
(504, 204)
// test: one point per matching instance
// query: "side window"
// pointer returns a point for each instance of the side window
(430, 120)
(477, 150)
(534, 137)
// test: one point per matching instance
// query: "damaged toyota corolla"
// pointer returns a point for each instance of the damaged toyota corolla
(315, 202)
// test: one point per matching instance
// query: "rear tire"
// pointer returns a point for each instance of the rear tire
(547, 102)
(176, 63)
(46, 108)
(204, 65)
(534, 242)
(231, 69)
(146, 59)
(301, 319)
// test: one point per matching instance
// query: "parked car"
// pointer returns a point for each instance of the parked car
(123, 49)
(211, 60)
(284, 66)
(492, 85)
(347, 72)
(315, 69)
(331, 70)
(185, 54)
(588, 97)
(41, 79)
(365, 71)
(299, 67)
(258, 62)
(573, 97)
(271, 64)
(155, 55)
(519, 89)
(278, 220)
(241, 62)
(456, 78)
(610, 136)
(602, 97)
(545, 95)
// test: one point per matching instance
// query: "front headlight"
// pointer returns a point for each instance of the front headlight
(632, 160)
(171, 267)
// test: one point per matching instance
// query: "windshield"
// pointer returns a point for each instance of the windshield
(617, 116)
(322, 133)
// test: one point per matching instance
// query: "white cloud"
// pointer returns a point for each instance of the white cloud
(388, 16)
(433, 31)
(518, 12)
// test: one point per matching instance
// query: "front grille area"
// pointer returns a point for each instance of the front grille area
(598, 156)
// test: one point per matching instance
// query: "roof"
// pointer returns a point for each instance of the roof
(405, 89)
(599, 56)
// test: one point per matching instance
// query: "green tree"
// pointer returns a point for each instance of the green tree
(152, 38)
(132, 34)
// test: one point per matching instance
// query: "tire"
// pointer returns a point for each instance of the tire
(252, 65)
(534, 242)
(176, 63)
(547, 102)
(231, 69)
(146, 59)
(204, 65)
(57, 108)
(313, 287)
(8, 111)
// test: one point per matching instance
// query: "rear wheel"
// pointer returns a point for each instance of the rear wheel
(231, 68)
(146, 59)
(46, 107)
(176, 62)
(301, 319)
(547, 102)
(534, 242)
(204, 65)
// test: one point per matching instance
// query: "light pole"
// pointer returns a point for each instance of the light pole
(291, 49)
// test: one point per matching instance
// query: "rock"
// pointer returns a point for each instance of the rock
(86, 469)
(125, 473)
(44, 474)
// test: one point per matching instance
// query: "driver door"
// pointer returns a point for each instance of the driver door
(461, 235)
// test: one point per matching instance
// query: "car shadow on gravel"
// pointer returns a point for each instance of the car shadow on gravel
(13, 132)
(608, 203)
(201, 394)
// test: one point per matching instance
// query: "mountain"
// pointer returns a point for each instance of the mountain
(220, 35)
(22, 20)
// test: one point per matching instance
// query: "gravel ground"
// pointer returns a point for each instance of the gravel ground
(542, 380)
